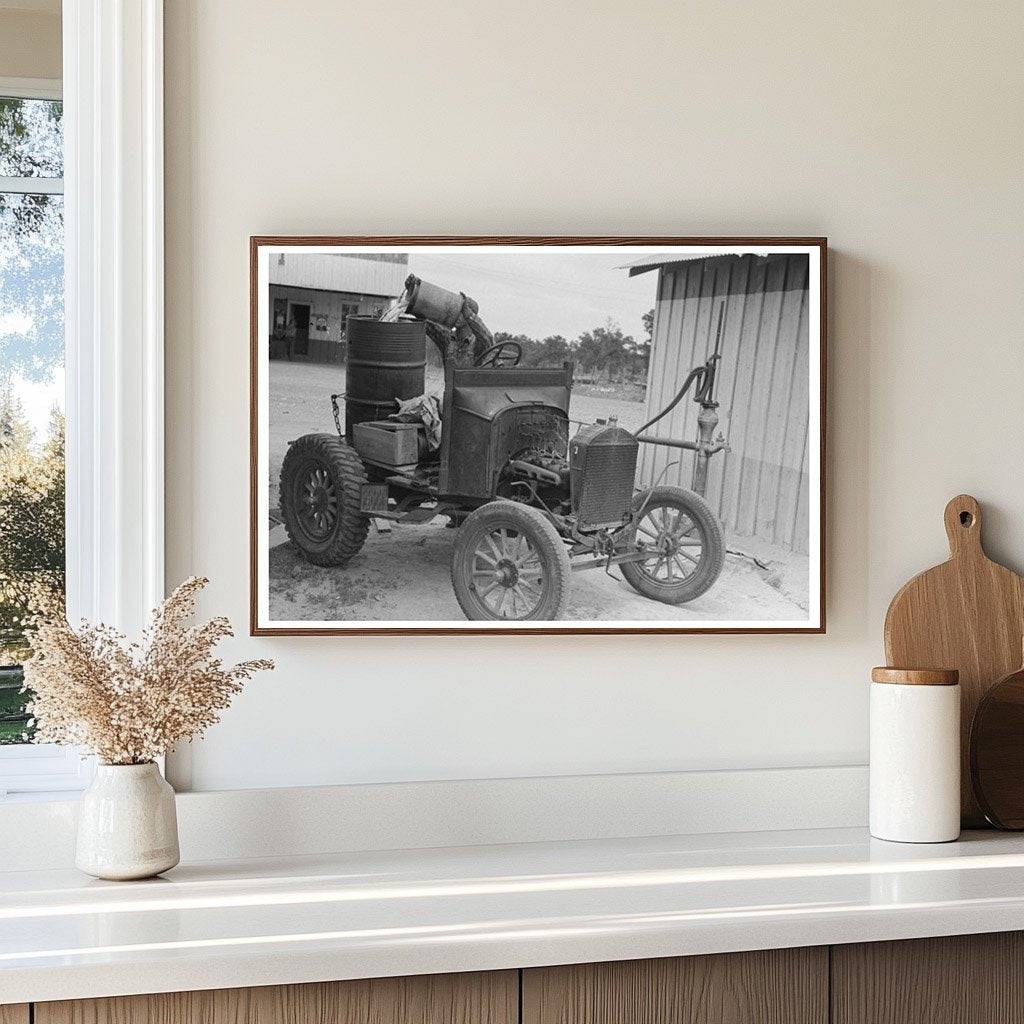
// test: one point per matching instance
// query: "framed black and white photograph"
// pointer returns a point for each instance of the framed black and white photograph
(579, 435)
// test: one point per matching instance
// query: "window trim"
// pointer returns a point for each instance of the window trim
(112, 90)
(43, 769)
(32, 186)
(31, 88)
(114, 309)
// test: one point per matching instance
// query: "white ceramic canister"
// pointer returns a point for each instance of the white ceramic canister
(915, 755)
(127, 825)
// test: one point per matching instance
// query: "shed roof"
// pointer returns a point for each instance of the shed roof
(666, 259)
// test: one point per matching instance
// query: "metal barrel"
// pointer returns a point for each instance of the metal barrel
(431, 302)
(385, 361)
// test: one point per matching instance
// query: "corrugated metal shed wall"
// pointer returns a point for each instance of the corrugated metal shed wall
(761, 487)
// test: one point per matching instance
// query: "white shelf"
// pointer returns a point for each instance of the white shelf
(352, 915)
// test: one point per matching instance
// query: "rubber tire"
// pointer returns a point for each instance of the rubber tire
(543, 536)
(712, 547)
(348, 474)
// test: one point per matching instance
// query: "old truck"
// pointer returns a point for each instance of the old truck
(532, 500)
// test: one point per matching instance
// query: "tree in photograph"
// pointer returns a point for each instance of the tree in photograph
(554, 351)
(640, 353)
(605, 351)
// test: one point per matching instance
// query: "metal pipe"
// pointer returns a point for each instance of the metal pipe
(545, 476)
(694, 374)
(668, 442)
(707, 420)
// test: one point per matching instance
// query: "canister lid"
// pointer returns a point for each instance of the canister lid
(916, 676)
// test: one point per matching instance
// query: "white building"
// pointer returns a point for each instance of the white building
(311, 294)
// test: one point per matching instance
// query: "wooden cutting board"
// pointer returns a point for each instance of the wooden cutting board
(967, 614)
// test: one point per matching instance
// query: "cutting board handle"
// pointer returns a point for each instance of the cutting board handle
(963, 526)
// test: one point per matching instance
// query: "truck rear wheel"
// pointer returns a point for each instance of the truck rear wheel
(320, 481)
(685, 540)
(510, 563)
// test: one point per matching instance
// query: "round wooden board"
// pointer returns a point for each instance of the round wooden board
(997, 752)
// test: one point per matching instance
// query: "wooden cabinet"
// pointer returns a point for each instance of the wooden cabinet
(777, 986)
(962, 979)
(970, 979)
(491, 998)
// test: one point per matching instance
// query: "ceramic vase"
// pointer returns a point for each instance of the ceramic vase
(127, 825)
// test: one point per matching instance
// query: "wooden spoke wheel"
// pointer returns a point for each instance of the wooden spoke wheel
(685, 542)
(510, 563)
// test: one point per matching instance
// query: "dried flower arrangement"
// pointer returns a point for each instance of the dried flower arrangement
(129, 703)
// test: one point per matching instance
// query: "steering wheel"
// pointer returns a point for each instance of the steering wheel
(505, 353)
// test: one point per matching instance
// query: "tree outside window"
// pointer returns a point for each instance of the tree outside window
(31, 387)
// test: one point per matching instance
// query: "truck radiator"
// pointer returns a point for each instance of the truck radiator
(602, 467)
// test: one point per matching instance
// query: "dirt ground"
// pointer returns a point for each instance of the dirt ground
(405, 574)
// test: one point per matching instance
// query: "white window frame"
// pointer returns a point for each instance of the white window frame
(45, 767)
(114, 333)
(31, 88)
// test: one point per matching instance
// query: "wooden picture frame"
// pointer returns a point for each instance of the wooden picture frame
(676, 260)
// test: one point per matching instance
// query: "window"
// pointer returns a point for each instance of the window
(31, 415)
(347, 309)
(92, 172)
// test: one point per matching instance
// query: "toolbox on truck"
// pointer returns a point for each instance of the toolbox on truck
(387, 443)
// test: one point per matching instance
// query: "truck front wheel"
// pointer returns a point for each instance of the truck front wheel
(510, 563)
(685, 542)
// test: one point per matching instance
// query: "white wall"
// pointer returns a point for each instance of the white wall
(895, 129)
